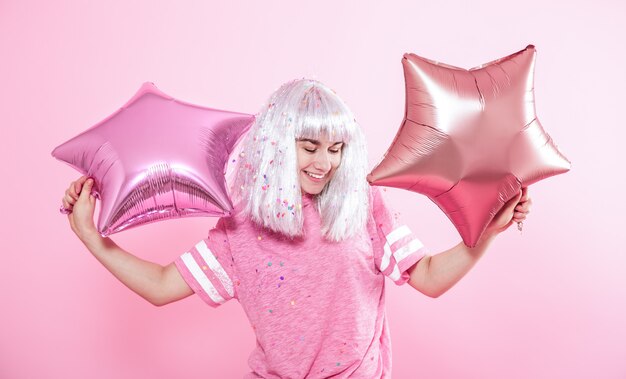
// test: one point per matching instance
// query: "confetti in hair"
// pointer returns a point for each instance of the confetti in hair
(300, 109)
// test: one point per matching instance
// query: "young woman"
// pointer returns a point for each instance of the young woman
(307, 249)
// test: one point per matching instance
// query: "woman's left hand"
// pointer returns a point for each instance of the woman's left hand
(515, 210)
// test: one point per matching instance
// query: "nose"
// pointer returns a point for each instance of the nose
(322, 162)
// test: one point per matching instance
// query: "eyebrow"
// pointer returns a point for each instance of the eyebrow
(316, 142)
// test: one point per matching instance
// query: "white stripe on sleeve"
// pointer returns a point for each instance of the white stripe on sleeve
(386, 257)
(217, 268)
(395, 274)
(391, 238)
(398, 234)
(201, 278)
(407, 250)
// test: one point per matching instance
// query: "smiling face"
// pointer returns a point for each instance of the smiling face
(317, 162)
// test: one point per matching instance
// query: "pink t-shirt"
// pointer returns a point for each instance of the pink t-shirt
(317, 308)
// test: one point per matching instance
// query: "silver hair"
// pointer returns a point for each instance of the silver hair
(266, 177)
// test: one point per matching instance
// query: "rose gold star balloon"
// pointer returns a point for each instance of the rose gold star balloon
(156, 158)
(470, 139)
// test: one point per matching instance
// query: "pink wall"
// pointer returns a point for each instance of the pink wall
(550, 303)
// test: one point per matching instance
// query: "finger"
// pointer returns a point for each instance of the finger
(524, 194)
(70, 200)
(86, 190)
(510, 205)
(78, 184)
(70, 192)
(66, 204)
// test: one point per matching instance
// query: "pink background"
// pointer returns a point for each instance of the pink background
(550, 303)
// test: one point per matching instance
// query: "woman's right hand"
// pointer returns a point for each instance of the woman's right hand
(155, 283)
(81, 204)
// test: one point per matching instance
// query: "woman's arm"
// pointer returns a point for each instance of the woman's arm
(436, 274)
(155, 283)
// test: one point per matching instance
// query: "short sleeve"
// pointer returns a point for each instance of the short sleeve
(396, 248)
(208, 267)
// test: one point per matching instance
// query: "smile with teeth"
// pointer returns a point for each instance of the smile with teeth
(315, 176)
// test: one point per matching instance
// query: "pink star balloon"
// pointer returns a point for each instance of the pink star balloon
(157, 158)
(470, 139)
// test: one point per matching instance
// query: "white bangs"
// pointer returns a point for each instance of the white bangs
(266, 178)
(321, 115)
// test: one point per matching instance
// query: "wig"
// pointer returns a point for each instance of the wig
(266, 179)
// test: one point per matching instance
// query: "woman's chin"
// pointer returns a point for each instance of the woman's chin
(311, 191)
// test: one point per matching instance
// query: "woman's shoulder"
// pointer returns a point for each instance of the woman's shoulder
(375, 198)
(234, 218)
(237, 223)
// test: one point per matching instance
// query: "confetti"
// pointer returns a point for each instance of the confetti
(267, 183)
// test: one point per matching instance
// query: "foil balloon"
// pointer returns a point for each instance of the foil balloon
(156, 158)
(470, 139)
